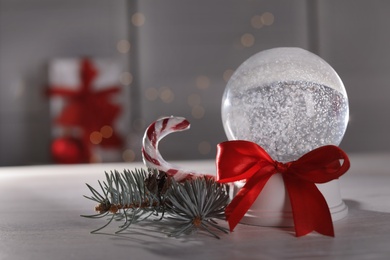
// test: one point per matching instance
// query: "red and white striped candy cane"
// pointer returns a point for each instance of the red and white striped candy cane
(150, 154)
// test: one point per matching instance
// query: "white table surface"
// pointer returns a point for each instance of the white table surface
(40, 208)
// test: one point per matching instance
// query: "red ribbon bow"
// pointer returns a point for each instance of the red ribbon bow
(244, 160)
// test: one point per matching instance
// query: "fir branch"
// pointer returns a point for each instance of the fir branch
(125, 197)
(134, 196)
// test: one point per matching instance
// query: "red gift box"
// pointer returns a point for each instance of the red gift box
(84, 110)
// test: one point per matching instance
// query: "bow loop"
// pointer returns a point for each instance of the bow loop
(235, 152)
(321, 165)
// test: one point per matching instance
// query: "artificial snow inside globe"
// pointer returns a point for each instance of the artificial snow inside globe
(289, 101)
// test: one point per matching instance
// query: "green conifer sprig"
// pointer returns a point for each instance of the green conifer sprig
(133, 196)
(195, 204)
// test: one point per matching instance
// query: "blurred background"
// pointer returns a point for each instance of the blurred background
(174, 57)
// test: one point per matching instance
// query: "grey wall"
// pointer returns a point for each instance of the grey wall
(179, 56)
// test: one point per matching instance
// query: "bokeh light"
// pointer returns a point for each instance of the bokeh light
(126, 78)
(123, 46)
(166, 95)
(95, 137)
(202, 82)
(151, 94)
(267, 18)
(106, 131)
(138, 19)
(128, 155)
(257, 22)
(247, 40)
(198, 112)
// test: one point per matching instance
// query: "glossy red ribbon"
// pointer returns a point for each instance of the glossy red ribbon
(244, 160)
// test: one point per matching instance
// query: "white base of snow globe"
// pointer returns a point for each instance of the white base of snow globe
(272, 207)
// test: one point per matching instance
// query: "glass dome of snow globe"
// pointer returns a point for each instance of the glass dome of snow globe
(287, 100)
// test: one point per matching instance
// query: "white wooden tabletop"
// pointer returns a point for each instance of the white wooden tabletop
(40, 208)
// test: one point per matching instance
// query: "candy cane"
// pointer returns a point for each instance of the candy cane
(152, 157)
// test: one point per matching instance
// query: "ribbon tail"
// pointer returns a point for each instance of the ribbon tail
(244, 199)
(309, 207)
